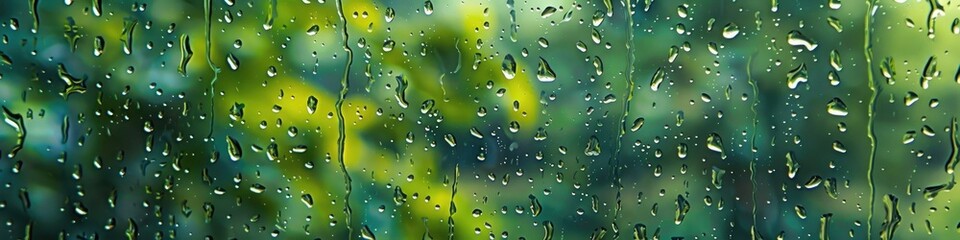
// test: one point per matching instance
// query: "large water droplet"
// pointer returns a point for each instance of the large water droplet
(509, 67)
(544, 72)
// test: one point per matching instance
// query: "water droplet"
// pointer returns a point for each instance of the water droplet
(839, 147)
(683, 207)
(796, 76)
(835, 24)
(929, 72)
(801, 211)
(543, 42)
(234, 149)
(548, 11)
(272, 153)
(795, 38)
(365, 233)
(428, 7)
(834, 4)
(714, 143)
(389, 15)
(544, 72)
(311, 104)
(730, 31)
(657, 79)
(836, 107)
(450, 139)
(233, 62)
(271, 71)
(593, 147)
(637, 124)
(824, 222)
(401, 95)
(835, 60)
(792, 165)
(313, 30)
(185, 54)
(97, 7)
(509, 67)
(98, 45)
(716, 177)
(514, 126)
(830, 186)
(271, 15)
(682, 150)
(15, 120)
(813, 182)
(598, 65)
(307, 200)
(892, 219)
(129, 24)
(388, 45)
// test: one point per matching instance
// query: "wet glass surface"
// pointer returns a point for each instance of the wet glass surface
(488, 119)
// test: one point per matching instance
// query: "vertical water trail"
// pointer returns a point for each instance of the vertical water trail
(65, 130)
(626, 107)
(426, 229)
(97, 7)
(825, 226)
(954, 155)
(15, 120)
(341, 128)
(513, 20)
(952, 161)
(271, 15)
(453, 206)
(35, 14)
(186, 53)
(868, 56)
(753, 140)
(208, 16)
(456, 44)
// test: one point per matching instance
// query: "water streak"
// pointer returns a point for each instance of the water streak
(341, 133)
(207, 6)
(868, 56)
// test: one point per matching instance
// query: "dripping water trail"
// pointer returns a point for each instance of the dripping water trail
(868, 56)
(36, 22)
(271, 15)
(35, 14)
(15, 120)
(954, 154)
(453, 207)
(753, 139)
(216, 70)
(456, 45)
(626, 107)
(513, 20)
(341, 128)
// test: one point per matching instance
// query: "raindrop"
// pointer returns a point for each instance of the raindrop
(544, 72)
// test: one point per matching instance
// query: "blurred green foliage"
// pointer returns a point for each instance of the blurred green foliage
(479, 119)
